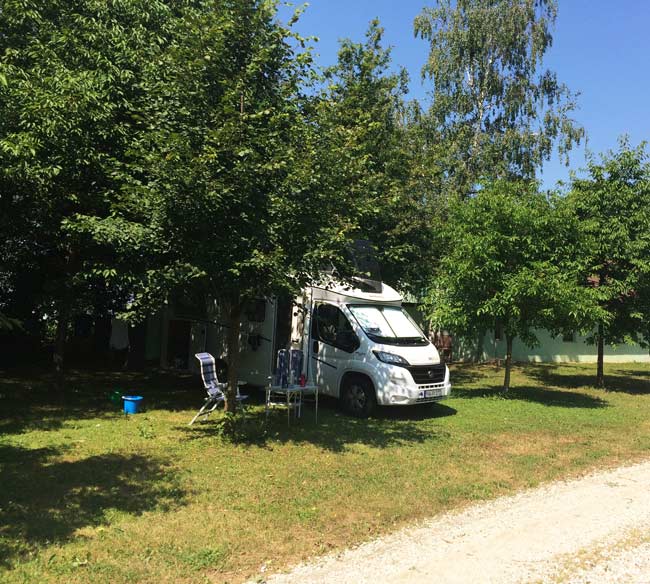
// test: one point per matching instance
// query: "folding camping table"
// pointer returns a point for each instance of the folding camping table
(291, 397)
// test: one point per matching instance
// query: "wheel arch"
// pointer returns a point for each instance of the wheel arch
(355, 374)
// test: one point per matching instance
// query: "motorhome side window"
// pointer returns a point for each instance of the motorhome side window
(331, 326)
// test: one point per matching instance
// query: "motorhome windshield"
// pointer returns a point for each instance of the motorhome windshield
(388, 324)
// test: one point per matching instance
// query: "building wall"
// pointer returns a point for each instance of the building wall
(551, 349)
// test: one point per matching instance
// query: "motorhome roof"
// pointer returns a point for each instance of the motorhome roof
(337, 292)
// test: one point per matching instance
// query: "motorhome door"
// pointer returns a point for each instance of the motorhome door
(333, 342)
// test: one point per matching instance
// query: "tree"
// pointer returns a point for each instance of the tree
(495, 113)
(509, 262)
(71, 89)
(613, 206)
(365, 120)
(232, 168)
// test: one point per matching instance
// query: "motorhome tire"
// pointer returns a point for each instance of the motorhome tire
(358, 396)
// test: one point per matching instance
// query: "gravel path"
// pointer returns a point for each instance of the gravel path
(587, 531)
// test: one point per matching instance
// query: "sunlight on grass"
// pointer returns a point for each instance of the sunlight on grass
(89, 494)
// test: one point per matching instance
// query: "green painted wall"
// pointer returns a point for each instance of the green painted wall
(551, 349)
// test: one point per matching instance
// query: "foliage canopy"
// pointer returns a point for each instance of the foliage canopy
(509, 265)
(612, 205)
(495, 112)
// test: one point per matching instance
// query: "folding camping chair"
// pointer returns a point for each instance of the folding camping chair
(212, 385)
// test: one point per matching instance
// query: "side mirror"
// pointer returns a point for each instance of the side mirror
(347, 341)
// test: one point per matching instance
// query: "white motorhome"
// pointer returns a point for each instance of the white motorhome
(360, 346)
(365, 349)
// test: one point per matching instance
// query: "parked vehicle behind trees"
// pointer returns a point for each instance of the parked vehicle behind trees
(360, 345)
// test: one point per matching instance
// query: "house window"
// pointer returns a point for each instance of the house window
(569, 337)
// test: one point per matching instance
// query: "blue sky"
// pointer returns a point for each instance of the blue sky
(601, 49)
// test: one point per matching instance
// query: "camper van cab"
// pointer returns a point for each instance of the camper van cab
(363, 348)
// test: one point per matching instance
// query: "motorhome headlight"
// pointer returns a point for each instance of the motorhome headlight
(391, 358)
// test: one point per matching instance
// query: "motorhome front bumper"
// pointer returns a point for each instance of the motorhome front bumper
(401, 389)
(400, 396)
(433, 392)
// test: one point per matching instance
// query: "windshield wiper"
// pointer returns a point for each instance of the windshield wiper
(410, 340)
(397, 340)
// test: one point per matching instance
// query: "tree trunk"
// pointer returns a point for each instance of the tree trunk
(59, 346)
(478, 356)
(137, 346)
(234, 326)
(65, 304)
(600, 369)
(101, 339)
(506, 380)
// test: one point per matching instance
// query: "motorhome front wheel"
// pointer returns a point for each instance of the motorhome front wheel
(358, 396)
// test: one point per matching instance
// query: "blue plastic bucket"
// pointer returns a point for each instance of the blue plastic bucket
(132, 403)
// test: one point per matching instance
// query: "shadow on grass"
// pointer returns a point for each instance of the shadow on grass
(45, 500)
(335, 430)
(29, 402)
(465, 374)
(535, 394)
(29, 405)
(629, 380)
(30, 417)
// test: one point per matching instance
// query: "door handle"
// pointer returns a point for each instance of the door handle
(314, 347)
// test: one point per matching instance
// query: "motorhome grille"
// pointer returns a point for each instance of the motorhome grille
(426, 374)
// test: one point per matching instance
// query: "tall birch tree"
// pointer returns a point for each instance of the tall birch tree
(496, 112)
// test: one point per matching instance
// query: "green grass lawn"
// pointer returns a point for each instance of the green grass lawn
(90, 495)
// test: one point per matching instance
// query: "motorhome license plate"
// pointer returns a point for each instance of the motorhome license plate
(432, 392)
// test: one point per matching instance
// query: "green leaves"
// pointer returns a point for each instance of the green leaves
(525, 261)
(508, 262)
(73, 90)
(367, 156)
(230, 163)
(613, 205)
(496, 113)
